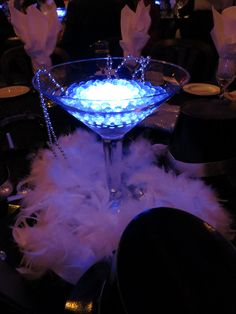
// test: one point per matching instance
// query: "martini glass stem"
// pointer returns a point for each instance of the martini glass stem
(113, 157)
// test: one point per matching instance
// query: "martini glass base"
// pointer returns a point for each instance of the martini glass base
(115, 200)
(119, 196)
(118, 189)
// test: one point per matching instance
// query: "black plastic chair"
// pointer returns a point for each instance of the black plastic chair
(25, 132)
(195, 56)
(16, 66)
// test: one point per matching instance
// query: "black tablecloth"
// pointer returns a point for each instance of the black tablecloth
(49, 293)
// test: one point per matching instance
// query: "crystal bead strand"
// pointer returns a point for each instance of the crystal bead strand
(109, 66)
(143, 62)
(126, 60)
(50, 130)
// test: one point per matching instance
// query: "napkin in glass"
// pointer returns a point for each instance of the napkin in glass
(38, 30)
(224, 32)
(134, 29)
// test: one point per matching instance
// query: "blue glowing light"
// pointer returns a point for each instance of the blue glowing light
(61, 12)
(111, 107)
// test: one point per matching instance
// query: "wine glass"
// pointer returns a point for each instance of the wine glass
(179, 4)
(6, 187)
(113, 102)
(24, 187)
(225, 74)
(101, 49)
(164, 8)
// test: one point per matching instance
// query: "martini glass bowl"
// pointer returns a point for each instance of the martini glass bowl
(112, 101)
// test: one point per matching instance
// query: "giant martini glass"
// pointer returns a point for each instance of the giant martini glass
(111, 96)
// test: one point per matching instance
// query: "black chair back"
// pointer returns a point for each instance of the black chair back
(16, 66)
(197, 57)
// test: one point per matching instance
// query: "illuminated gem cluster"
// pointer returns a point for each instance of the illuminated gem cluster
(112, 103)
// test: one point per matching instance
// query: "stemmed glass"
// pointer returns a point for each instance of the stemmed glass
(225, 74)
(101, 49)
(6, 187)
(179, 4)
(111, 103)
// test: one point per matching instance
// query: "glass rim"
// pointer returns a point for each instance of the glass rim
(54, 97)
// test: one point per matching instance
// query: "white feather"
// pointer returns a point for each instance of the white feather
(74, 224)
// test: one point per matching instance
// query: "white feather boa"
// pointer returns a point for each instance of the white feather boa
(74, 225)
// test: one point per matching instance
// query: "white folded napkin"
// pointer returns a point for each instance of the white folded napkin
(134, 29)
(224, 32)
(38, 30)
